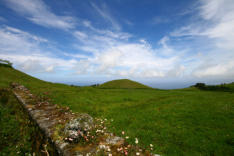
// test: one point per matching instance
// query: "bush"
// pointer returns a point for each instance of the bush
(200, 85)
(221, 87)
(5, 63)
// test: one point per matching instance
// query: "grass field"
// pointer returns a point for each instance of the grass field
(177, 122)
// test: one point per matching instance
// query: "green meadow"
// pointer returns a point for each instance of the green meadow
(179, 122)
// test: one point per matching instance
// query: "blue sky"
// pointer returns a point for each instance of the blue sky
(162, 43)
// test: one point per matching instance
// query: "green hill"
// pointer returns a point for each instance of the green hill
(123, 84)
(177, 122)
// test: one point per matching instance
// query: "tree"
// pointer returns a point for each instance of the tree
(200, 85)
(6, 62)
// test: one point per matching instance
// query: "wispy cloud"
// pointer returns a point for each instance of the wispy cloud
(160, 20)
(17, 41)
(103, 10)
(215, 20)
(2, 19)
(113, 52)
(39, 13)
(24, 50)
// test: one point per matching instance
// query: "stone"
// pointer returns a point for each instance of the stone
(79, 126)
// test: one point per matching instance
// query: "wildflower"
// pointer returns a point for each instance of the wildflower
(151, 145)
(137, 153)
(126, 152)
(136, 140)
(122, 132)
(102, 146)
(119, 149)
(109, 154)
(127, 137)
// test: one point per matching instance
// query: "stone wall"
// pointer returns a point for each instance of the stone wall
(72, 133)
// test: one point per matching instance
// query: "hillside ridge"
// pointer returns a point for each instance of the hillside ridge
(123, 84)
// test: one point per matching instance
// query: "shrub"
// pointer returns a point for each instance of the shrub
(5, 63)
(200, 85)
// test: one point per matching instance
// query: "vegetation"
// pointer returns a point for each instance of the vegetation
(19, 136)
(222, 87)
(5, 63)
(177, 122)
(123, 84)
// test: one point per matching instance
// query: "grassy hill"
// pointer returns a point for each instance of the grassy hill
(124, 84)
(177, 122)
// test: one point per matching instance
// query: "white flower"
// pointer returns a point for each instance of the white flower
(137, 153)
(109, 154)
(127, 137)
(102, 146)
(123, 132)
(151, 145)
(136, 140)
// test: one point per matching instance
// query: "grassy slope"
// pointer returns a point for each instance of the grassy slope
(18, 135)
(177, 122)
(123, 83)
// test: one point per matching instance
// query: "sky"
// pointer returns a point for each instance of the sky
(161, 43)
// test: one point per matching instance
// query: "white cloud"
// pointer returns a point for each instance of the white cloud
(224, 69)
(13, 40)
(214, 25)
(216, 20)
(137, 59)
(221, 14)
(24, 50)
(35, 63)
(80, 35)
(117, 53)
(96, 39)
(105, 13)
(39, 13)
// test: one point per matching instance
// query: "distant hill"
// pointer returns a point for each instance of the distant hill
(123, 83)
